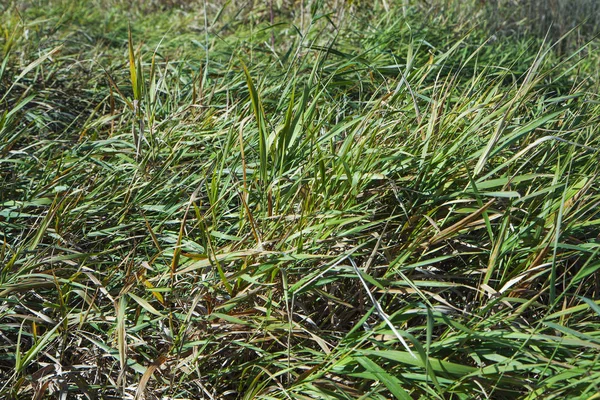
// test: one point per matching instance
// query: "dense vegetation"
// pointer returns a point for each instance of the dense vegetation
(299, 200)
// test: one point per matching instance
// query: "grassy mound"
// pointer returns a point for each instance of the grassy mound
(294, 200)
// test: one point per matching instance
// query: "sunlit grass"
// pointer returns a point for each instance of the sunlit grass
(344, 203)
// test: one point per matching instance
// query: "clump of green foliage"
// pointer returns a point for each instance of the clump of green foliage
(279, 200)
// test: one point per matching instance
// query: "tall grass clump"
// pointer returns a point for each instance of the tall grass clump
(294, 200)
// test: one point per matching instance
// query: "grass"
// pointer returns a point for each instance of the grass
(294, 200)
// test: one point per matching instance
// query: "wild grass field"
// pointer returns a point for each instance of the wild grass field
(299, 200)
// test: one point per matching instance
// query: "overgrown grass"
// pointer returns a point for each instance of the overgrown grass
(294, 201)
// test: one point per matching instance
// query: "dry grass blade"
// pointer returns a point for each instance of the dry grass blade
(380, 311)
(141, 388)
(456, 227)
